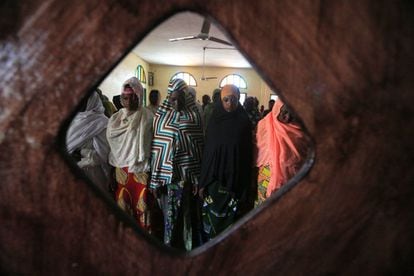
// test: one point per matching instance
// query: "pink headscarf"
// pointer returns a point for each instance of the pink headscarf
(279, 146)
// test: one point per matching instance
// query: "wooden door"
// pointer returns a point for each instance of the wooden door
(344, 66)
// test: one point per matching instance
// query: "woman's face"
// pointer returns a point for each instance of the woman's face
(129, 99)
(229, 99)
(177, 100)
(284, 115)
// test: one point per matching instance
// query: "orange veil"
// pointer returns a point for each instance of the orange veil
(278, 146)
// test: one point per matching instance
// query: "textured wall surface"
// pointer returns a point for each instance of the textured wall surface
(346, 67)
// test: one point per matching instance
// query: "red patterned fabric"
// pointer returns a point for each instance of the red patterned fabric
(132, 196)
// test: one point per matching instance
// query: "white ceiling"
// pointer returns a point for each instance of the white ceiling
(156, 48)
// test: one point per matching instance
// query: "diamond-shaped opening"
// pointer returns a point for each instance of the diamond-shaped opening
(183, 160)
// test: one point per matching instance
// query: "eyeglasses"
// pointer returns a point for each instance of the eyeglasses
(231, 99)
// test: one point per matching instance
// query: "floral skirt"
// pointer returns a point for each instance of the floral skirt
(219, 210)
(182, 227)
(263, 179)
(132, 196)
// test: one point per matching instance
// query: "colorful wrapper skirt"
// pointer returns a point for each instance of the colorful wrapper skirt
(181, 216)
(219, 210)
(263, 179)
(132, 196)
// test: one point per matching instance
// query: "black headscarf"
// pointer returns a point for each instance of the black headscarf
(227, 154)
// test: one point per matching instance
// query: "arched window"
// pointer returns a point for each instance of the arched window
(237, 80)
(187, 77)
(140, 74)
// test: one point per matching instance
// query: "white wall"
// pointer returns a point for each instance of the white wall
(112, 85)
(256, 87)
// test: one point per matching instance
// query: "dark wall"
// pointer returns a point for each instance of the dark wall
(344, 66)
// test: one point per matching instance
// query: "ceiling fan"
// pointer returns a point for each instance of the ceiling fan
(203, 35)
(204, 65)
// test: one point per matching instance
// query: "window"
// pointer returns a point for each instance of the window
(243, 97)
(274, 97)
(237, 80)
(187, 77)
(140, 74)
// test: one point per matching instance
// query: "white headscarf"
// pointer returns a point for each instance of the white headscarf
(87, 125)
(129, 134)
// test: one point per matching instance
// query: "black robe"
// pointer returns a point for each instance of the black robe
(228, 152)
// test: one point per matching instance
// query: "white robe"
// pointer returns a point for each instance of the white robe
(129, 134)
(87, 134)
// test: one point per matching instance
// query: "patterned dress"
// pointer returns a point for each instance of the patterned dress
(263, 179)
(131, 196)
(129, 134)
(175, 162)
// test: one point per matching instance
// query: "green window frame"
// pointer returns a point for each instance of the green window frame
(140, 74)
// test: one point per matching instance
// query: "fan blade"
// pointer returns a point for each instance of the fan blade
(205, 29)
(208, 78)
(218, 40)
(183, 38)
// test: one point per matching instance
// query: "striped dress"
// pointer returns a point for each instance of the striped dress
(175, 163)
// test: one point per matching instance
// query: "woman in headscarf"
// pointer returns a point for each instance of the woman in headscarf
(129, 134)
(209, 108)
(227, 164)
(252, 112)
(281, 150)
(86, 141)
(176, 154)
(154, 101)
(107, 104)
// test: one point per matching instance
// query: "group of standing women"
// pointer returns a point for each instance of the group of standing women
(169, 167)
